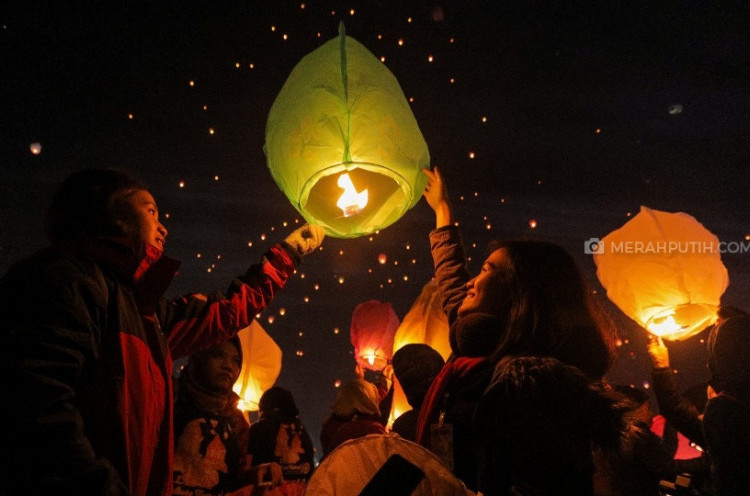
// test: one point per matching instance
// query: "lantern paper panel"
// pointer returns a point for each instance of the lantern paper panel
(425, 322)
(340, 113)
(664, 271)
(374, 325)
(261, 365)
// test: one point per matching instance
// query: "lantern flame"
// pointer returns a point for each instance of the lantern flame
(350, 202)
(664, 327)
(370, 358)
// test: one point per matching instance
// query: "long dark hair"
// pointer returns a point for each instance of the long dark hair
(550, 310)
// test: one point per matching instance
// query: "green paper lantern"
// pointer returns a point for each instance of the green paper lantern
(340, 113)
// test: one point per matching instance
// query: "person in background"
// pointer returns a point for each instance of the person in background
(726, 419)
(87, 340)
(280, 437)
(354, 414)
(681, 413)
(528, 303)
(415, 366)
(211, 433)
(642, 460)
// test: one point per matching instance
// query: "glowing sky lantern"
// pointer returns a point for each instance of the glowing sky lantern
(664, 271)
(342, 142)
(261, 365)
(374, 324)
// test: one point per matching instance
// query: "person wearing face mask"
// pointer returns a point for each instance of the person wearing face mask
(88, 340)
(524, 325)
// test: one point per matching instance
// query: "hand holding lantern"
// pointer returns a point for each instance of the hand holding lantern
(306, 239)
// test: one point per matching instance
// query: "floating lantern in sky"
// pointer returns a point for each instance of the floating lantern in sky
(261, 365)
(374, 324)
(35, 148)
(664, 271)
(342, 142)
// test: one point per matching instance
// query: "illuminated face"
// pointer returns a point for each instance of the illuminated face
(484, 293)
(221, 367)
(142, 219)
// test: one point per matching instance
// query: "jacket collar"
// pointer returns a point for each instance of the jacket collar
(144, 267)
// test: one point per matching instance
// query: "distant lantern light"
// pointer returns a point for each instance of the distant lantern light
(430, 58)
(35, 148)
(532, 223)
(337, 383)
(271, 319)
(282, 311)
(664, 271)
(130, 116)
(182, 184)
(484, 119)
(472, 155)
(319, 144)
(382, 259)
(192, 83)
(400, 42)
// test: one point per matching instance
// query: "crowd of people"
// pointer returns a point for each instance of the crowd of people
(521, 406)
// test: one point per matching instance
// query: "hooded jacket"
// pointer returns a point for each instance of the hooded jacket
(86, 328)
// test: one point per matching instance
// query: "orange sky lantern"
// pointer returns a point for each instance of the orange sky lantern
(261, 365)
(664, 271)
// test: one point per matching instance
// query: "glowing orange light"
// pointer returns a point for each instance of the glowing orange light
(532, 224)
(350, 202)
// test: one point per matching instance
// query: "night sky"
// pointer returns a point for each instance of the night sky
(562, 115)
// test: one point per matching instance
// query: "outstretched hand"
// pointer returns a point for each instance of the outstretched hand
(436, 194)
(658, 352)
(306, 239)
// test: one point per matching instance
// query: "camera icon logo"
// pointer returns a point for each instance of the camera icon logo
(593, 246)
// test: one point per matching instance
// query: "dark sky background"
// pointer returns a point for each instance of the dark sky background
(593, 108)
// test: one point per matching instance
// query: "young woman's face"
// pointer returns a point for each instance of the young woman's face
(221, 367)
(485, 291)
(142, 219)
